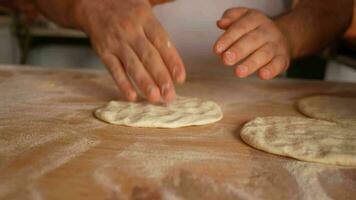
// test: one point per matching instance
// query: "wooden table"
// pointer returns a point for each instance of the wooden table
(52, 147)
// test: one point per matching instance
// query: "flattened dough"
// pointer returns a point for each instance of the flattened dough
(303, 138)
(331, 108)
(180, 113)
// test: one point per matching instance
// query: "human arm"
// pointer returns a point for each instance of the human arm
(129, 40)
(254, 42)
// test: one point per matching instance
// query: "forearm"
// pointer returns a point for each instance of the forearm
(63, 12)
(67, 12)
(313, 24)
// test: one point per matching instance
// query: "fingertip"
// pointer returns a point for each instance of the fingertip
(179, 75)
(265, 74)
(131, 96)
(218, 48)
(220, 24)
(169, 95)
(241, 71)
(229, 58)
(181, 79)
(153, 94)
(223, 23)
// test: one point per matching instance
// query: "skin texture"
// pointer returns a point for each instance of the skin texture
(129, 40)
(253, 42)
(137, 51)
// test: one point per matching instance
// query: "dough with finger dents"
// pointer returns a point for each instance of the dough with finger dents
(303, 138)
(180, 113)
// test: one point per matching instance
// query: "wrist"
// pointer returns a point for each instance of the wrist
(282, 26)
(88, 15)
(79, 15)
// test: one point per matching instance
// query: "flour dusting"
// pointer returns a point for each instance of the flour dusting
(306, 176)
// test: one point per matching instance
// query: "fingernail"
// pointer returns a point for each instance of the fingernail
(175, 73)
(219, 48)
(242, 69)
(165, 89)
(230, 57)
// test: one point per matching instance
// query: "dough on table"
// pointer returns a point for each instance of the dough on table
(180, 113)
(303, 138)
(331, 108)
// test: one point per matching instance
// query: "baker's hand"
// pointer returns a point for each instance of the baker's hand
(252, 42)
(133, 46)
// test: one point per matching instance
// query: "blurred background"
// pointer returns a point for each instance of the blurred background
(26, 37)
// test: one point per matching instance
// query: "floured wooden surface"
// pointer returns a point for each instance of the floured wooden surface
(51, 146)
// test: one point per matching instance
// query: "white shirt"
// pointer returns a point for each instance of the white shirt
(191, 24)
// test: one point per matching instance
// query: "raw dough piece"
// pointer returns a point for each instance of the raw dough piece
(182, 112)
(303, 138)
(331, 108)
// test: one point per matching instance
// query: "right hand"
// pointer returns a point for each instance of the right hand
(133, 46)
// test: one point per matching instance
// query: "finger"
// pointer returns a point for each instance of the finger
(245, 24)
(258, 59)
(160, 40)
(119, 75)
(243, 47)
(273, 68)
(231, 15)
(138, 73)
(151, 60)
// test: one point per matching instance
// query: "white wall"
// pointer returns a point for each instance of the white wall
(9, 51)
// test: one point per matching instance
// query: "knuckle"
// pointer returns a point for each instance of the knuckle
(163, 78)
(228, 38)
(148, 55)
(263, 30)
(239, 49)
(160, 38)
(230, 11)
(158, 41)
(254, 37)
(126, 25)
(271, 46)
(242, 27)
(266, 53)
(130, 69)
(251, 63)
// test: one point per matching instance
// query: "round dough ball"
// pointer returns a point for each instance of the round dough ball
(180, 113)
(303, 138)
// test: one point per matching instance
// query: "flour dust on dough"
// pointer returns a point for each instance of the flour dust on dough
(303, 138)
(180, 113)
(331, 108)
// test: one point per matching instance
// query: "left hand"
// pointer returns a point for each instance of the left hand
(252, 42)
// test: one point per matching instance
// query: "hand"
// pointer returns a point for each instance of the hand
(133, 46)
(252, 42)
